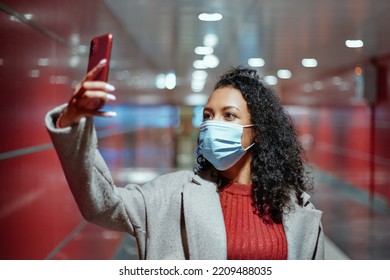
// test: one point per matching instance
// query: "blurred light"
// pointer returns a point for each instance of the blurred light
(210, 40)
(336, 81)
(284, 74)
(211, 61)
(204, 50)
(1, 61)
(160, 81)
(59, 80)
(210, 16)
(28, 16)
(271, 80)
(344, 86)
(198, 80)
(196, 99)
(24, 17)
(307, 87)
(43, 62)
(197, 85)
(354, 43)
(318, 85)
(125, 75)
(199, 75)
(74, 39)
(256, 62)
(35, 73)
(82, 49)
(170, 80)
(358, 70)
(199, 64)
(148, 99)
(74, 61)
(13, 18)
(309, 62)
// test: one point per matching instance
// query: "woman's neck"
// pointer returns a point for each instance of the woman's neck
(240, 172)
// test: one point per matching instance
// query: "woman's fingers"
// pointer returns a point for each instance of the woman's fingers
(91, 100)
(90, 96)
(91, 75)
(98, 85)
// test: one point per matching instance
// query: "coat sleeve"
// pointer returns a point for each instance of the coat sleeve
(99, 200)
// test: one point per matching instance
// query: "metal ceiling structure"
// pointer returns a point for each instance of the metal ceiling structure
(282, 33)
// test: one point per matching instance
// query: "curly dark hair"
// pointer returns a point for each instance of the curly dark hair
(278, 165)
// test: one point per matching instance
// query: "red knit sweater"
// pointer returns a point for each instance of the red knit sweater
(248, 237)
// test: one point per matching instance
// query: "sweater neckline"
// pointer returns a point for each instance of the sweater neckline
(237, 188)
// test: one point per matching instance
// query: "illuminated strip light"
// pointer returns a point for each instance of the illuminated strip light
(210, 17)
(354, 43)
(309, 62)
(271, 80)
(284, 74)
(202, 50)
(256, 62)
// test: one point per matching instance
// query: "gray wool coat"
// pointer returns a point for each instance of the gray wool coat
(175, 216)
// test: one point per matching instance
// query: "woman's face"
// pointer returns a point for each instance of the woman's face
(227, 104)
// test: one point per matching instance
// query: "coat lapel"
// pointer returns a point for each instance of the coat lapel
(203, 219)
(302, 226)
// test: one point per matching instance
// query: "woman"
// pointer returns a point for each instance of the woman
(246, 199)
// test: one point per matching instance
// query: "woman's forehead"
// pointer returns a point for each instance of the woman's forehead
(225, 97)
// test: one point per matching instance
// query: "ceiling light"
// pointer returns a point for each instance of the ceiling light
(271, 80)
(309, 62)
(211, 61)
(199, 64)
(210, 40)
(256, 62)
(210, 16)
(160, 81)
(170, 80)
(196, 99)
(284, 74)
(197, 85)
(354, 43)
(199, 75)
(14, 18)
(28, 16)
(203, 50)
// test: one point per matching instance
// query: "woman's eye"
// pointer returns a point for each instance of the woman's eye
(230, 116)
(207, 117)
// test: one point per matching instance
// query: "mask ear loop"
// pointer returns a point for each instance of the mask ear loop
(250, 146)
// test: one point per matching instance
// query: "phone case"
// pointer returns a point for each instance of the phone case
(100, 48)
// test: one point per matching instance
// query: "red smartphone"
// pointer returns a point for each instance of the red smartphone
(100, 49)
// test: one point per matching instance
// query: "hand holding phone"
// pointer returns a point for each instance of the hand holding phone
(93, 91)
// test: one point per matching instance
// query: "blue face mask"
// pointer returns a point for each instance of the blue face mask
(220, 143)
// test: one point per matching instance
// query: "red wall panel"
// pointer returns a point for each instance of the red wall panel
(38, 216)
(348, 138)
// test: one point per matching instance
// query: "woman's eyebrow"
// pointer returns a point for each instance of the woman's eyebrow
(230, 107)
(208, 109)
